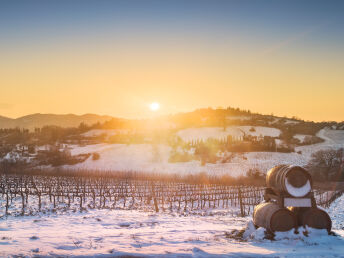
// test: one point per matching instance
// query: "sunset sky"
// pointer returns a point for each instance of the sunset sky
(119, 57)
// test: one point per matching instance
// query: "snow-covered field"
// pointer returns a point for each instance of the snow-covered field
(204, 233)
(155, 158)
(131, 232)
(150, 158)
(204, 133)
(260, 131)
(237, 132)
(336, 212)
(301, 137)
(334, 139)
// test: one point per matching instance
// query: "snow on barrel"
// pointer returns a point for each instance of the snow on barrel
(290, 179)
(274, 218)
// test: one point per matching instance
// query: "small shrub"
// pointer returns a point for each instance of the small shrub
(95, 156)
(255, 173)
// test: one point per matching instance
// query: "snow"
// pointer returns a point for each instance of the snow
(274, 120)
(285, 121)
(335, 136)
(261, 131)
(14, 156)
(111, 233)
(122, 157)
(258, 234)
(194, 233)
(150, 158)
(237, 132)
(336, 213)
(288, 121)
(154, 158)
(298, 191)
(118, 232)
(204, 133)
(334, 139)
(301, 137)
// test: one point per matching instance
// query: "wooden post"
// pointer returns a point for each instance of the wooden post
(242, 212)
(7, 203)
(154, 199)
(23, 202)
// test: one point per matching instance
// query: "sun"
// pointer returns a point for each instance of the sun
(154, 106)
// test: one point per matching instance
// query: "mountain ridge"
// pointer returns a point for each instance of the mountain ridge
(32, 121)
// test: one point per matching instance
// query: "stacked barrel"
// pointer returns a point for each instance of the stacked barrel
(289, 202)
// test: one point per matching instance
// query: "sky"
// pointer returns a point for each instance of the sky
(117, 57)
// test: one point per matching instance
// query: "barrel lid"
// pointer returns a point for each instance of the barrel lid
(317, 218)
(297, 176)
(283, 220)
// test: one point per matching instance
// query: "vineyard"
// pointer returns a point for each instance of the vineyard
(31, 194)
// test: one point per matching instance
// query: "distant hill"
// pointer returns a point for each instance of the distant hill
(205, 117)
(7, 122)
(40, 120)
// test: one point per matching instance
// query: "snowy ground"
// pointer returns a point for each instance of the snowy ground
(336, 212)
(130, 232)
(149, 158)
(204, 133)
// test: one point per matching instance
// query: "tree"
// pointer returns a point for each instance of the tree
(83, 127)
(327, 164)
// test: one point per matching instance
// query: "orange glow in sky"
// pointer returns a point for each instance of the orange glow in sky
(114, 60)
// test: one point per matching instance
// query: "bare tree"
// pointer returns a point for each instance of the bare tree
(327, 164)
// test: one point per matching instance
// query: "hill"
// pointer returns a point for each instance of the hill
(204, 117)
(39, 120)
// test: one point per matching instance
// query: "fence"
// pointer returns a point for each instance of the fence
(26, 194)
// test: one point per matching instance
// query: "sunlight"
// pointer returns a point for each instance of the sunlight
(154, 106)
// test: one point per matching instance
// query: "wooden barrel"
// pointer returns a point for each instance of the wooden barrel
(290, 179)
(312, 217)
(270, 216)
